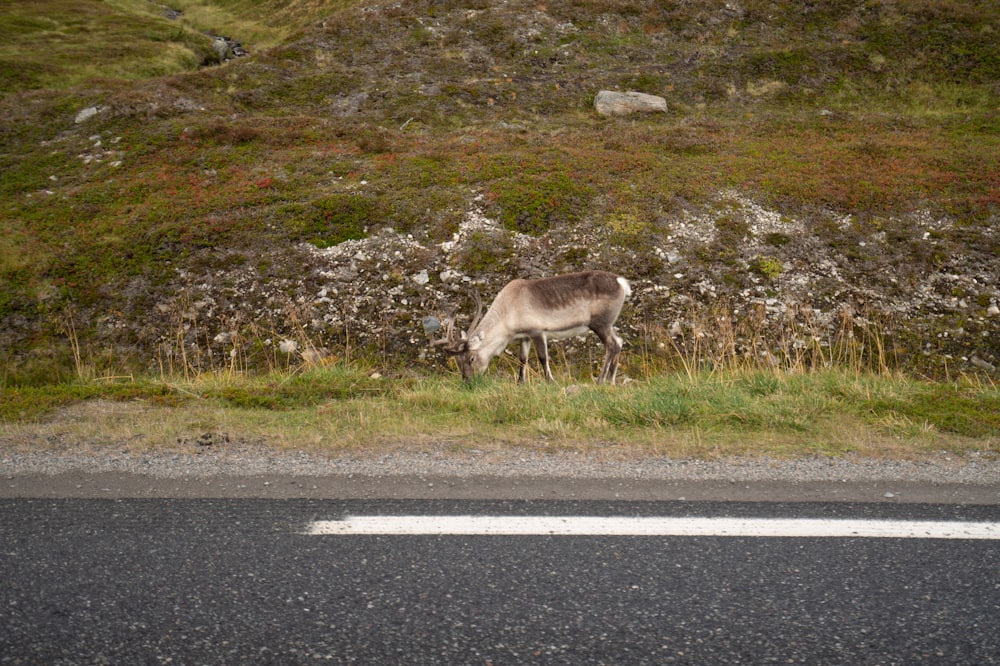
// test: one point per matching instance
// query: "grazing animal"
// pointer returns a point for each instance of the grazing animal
(535, 311)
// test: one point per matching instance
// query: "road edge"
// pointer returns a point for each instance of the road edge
(489, 476)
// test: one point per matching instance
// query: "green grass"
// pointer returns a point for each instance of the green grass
(350, 407)
(57, 44)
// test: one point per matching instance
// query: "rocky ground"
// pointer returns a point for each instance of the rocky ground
(796, 296)
(242, 471)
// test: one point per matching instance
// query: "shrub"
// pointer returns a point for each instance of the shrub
(533, 204)
(337, 218)
(769, 267)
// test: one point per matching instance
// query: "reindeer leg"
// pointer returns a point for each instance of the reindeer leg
(522, 373)
(542, 351)
(613, 350)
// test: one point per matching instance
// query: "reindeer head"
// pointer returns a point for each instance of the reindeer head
(469, 362)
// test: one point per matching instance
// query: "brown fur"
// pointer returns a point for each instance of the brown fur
(558, 292)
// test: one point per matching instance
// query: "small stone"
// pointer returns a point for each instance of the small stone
(87, 114)
(982, 364)
(431, 325)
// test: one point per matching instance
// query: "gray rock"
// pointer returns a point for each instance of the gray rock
(610, 103)
(983, 364)
(87, 114)
(431, 325)
(227, 48)
(221, 47)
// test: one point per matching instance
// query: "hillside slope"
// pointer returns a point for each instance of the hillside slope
(823, 171)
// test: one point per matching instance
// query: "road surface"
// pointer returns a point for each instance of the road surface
(235, 581)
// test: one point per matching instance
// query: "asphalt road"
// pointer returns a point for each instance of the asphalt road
(226, 581)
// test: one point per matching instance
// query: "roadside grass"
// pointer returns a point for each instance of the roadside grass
(351, 408)
(721, 387)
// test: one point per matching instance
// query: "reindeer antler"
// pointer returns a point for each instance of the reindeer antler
(479, 311)
(448, 341)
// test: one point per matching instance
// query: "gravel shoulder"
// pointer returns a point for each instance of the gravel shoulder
(252, 473)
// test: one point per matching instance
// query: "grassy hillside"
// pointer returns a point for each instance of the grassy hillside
(826, 171)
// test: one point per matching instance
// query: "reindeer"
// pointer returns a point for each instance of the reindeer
(535, 311)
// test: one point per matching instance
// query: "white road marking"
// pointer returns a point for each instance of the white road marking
(653, 526)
